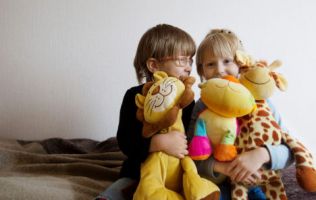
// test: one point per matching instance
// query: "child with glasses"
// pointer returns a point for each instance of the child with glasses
(161, 48)
(216, 58)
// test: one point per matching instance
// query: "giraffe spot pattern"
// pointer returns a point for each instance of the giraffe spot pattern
(239, 192)
(246, 118)
(250, 148)
(265, 137)
(244, 129)
(258, 142)
(265, 125)
(276, 125)
(297, 150)
(275, 136)
(249, 140)
(262, 113)
(283, 197)
(251, 129)
(264, 177)
(275, 184)
(299, 159)
(273, 194)
(289, 141)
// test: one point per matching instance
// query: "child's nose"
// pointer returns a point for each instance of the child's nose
(220, 71)
(188, 68)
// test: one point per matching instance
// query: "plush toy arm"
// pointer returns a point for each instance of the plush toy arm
(200, 147)
(188, 95)
(226, 151)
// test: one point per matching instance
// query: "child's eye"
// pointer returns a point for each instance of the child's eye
(210, 64)
(228, 61)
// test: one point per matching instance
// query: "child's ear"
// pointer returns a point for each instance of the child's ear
(152, 65)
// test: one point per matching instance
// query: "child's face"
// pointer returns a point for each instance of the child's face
(214, 67)
(176, 67)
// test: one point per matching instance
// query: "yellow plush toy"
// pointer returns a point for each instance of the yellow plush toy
(216, 126)
(260, 128)
(165, 177)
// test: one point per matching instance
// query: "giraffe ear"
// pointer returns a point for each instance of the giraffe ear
(275, 64)
(280, 81)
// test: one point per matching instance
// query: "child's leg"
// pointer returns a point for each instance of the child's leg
(256, 193)
(114, 191)
(225, 188)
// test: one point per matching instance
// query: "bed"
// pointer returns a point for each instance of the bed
(78, 169)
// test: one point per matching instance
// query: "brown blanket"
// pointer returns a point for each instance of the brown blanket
(77, 169)
(57, 168)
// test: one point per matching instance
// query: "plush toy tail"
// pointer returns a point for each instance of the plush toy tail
(305, 170)
(200, 147)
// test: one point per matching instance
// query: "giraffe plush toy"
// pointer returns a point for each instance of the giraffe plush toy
(260, 128)
(163, 176)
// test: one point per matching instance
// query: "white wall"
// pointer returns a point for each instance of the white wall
(65, 65)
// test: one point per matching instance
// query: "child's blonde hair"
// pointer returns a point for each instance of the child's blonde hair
(159, 42)
(217, 43)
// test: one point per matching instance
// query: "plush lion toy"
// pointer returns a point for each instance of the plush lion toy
(260, 128)
(163, 176)
(216, 126)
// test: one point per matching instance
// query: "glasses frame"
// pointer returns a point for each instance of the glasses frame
(181, 61)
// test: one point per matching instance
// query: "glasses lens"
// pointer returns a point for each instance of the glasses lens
(180, 61)
(185, 61)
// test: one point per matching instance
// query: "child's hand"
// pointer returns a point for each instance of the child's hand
(224, 167)
(245, 167)
(173, 143)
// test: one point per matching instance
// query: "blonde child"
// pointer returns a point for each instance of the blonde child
(165, 48)
(216, 58)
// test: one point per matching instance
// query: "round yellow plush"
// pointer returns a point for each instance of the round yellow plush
(227, 98)
(161, 97)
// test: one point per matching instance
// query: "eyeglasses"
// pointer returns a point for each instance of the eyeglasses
(180, 61)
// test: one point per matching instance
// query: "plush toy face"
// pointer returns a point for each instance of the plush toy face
(259, 82)
(259, 78)
(227, 98)
(161, 97)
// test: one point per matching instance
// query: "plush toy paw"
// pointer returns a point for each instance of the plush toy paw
(197, 188)
(225, 152)
(200, 148)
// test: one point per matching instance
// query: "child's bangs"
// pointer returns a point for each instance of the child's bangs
(182, 46)
(221, 49)
(185, 48)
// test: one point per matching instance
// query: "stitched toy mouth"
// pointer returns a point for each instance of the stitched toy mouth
(263, 83)
(227, 85)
